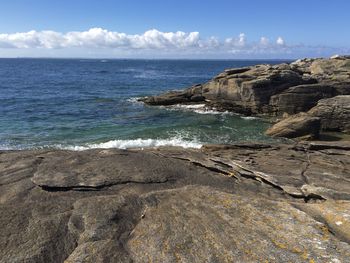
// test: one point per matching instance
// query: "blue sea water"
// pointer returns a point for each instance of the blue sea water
(86, 103)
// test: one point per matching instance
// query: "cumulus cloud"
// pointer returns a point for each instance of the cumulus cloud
(264, 41)
(280, 41)
(240, 41)
(152, 42)
(100, 38)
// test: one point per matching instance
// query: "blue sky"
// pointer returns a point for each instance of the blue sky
(211, 29)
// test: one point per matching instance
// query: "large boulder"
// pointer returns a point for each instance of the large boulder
(334, 113)
(300, 125)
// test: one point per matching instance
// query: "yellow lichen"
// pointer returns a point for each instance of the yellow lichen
(279, 245)
(325, 232)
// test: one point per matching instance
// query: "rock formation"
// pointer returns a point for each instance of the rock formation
(300, 125)
(266, 89)
(275, 90)
(331, 114)
(223, 203)
(334, 113)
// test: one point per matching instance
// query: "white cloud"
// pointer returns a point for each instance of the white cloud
(100, 38)
(280, 41)
(152, 43)
(264, 41)
(240, 41)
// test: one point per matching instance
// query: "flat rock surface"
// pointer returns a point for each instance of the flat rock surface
(221, 203)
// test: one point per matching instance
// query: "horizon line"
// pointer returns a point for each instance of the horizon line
(145, 58)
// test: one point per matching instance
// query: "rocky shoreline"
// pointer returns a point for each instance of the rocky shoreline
(221, 203)
(246, 202)
(319, 88)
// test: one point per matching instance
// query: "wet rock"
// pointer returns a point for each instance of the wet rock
(193, 94)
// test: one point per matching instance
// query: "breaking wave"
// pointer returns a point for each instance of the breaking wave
(198, 108)
(135, 143)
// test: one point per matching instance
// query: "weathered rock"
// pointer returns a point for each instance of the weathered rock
(265, 89)
(91, 169)
(252, 89)
(196, 224)
(193, 94)
(338, 68)
(334, 113)
(298, 125)
(301, 98)
(222, 203)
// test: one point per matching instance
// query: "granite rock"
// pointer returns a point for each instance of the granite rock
(266, 89)
(334, 113)
(221, 203)
(300, 125)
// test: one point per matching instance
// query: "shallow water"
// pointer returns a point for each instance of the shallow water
(80, 104)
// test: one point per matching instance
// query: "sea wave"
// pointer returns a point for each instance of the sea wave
(204, 109)
(197, 108)
(134, 100)
(249, 117)
(135, 143)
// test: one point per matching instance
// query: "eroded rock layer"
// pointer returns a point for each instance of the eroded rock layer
(266, 89)
(222, 203)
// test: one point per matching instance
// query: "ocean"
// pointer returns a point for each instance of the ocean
(80, 104)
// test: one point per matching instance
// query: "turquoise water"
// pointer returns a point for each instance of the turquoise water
(78, 104)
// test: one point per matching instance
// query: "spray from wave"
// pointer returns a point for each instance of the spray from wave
(135, 143)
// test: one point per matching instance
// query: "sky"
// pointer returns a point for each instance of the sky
(222, 29)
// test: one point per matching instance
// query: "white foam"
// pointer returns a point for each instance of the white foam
(134, 100)
(212, 111)
(197, 108)
(189, 106)
(249, 117)
(136, 143)
(203, 109)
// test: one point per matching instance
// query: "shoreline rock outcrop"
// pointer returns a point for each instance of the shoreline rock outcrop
(300, 125)
(222, 203)
(275, 90)
(331, 114)
(334, 113)
(247, 202)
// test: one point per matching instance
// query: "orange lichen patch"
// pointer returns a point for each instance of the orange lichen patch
(177, 257)
(279, 244)
(305, 255)
(296, 250)
(233, 174)
(227, 203)
(336, 214)
(325, 232)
